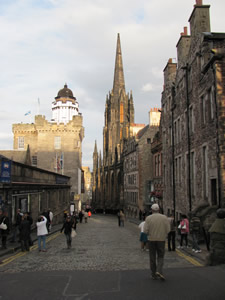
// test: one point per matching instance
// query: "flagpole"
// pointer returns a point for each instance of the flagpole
(38, 106)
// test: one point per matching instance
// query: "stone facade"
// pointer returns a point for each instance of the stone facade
(193, 119)
(87, 196)
(32, 189)
(156, 195)
(55, 145)
(138, 168)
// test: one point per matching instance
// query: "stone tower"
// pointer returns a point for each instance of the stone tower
(119, 113)
(57, 145)
(119, 122)
(65, 106)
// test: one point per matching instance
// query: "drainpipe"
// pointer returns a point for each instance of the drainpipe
(217, 130)
(186, 68)
(173, 161)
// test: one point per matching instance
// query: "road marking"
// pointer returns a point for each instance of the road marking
(189, 259)
(20, 254)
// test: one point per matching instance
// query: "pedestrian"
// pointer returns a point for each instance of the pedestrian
(30, 219)
(118, 216)
(195, 226)
(205, 228)
(50, 219)
(4, 231)
(171, 234)
(184, 231)
(16, 225)
(46, 215)
(143, 236)
(81, 216)
(85, 216)
(67, 227)
(122, 218)
(89, 213)
(75, 219)
(42, 232)
(24, 233)
(157, 228)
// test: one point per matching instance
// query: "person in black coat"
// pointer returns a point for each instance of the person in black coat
(30, 219)
(47, 216)
(25, 233)
(4, 232)
(67, 227)
(16, 225)
(81, 216)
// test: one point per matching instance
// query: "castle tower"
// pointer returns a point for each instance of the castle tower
(55, 146)
(65, 106)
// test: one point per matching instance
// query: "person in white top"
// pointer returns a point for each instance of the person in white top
(42, 232)
(143, 236)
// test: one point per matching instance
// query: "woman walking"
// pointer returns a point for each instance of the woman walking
(184, 230)
(67, 227)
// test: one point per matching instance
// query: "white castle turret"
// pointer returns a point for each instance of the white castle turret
(65, 106)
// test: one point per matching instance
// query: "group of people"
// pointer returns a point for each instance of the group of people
(156, 228)
(21, 229)
(70, 224)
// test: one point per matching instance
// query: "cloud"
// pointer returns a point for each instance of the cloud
(149, 87)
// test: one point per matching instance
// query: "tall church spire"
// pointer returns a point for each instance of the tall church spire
(119, 82)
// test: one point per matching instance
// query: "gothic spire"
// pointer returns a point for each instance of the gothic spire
(119, 82)
(95, 149)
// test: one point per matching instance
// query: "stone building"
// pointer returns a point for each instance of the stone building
(87, 196)
(193, 109)
(32, 190)
(54, 145)
(156, 194)
(138, 168)
(119, 119)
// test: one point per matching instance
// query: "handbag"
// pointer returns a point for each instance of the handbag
(3, 225)
(73, 233)
(184, 226)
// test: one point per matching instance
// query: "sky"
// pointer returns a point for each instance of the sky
(47, 43)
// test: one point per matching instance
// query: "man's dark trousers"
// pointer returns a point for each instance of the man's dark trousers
(156, 248)
(171, 238)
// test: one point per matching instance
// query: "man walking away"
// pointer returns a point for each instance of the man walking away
(157, 227)
(171, 234)
(24, 233)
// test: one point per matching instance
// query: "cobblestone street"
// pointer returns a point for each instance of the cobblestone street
(99, 245)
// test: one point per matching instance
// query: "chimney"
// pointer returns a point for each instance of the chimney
(198, 2)
(199, 19)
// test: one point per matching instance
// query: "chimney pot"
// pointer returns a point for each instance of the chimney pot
(170, 61)
(185, 31)
(199, 2)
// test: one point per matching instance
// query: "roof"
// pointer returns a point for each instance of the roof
(65, 92)
(142, 132)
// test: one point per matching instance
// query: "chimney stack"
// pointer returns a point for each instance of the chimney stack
(198, 2)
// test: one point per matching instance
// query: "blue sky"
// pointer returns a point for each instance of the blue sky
(45, 43)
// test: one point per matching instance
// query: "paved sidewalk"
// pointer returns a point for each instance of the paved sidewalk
(13, 247)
